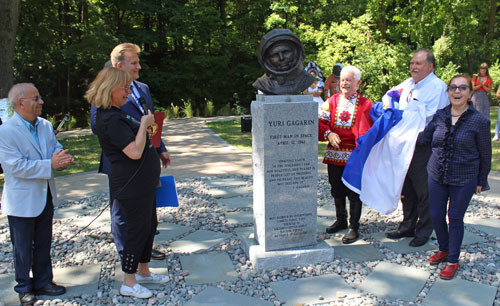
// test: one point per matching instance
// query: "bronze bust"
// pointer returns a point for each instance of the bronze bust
(281, 54)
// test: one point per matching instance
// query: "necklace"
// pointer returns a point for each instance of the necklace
(454, 116)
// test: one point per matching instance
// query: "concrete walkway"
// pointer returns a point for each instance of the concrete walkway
(196, 151)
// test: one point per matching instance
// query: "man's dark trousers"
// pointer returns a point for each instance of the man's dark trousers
(416, 216)
(31, 240)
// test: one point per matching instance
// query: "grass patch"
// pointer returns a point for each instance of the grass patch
(230, 131)
(85, 150)
(495, 145)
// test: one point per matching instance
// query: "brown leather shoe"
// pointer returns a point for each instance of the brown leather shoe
(351, 236)
(335, 227)
(438, 257)
(449, 271)
(27, 299)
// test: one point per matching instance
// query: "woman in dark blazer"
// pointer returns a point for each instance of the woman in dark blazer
(134, 174)
(458, 168)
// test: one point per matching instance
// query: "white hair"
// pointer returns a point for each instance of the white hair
(355, 72)
(16, 92)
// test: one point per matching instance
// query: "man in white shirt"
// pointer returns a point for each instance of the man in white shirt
(426, 87)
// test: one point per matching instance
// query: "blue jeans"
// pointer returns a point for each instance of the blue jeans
(497, 126)
(449, 236)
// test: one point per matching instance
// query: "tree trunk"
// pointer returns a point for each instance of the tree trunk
(9, 20)
(491, 22)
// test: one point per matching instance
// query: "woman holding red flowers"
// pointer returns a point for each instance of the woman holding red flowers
(343, 118)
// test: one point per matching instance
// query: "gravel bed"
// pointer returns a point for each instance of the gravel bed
(199, 210)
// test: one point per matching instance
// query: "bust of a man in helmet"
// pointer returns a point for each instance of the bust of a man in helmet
(281, 54)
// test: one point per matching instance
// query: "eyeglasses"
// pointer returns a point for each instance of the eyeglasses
(35, 98)
(461, 88)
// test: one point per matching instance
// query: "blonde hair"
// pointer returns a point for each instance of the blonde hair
(106, 81)
(118, 53)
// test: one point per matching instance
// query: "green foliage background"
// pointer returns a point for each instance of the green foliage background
(201, 51)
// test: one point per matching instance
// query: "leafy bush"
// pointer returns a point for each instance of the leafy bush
(172, 112)
(209, 109)
(225, 110)
(187, 110)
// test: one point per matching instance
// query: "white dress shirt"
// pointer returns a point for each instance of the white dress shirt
(430, 90)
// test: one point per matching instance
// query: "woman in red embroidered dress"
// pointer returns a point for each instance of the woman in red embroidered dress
(482, 84)
(343, 118)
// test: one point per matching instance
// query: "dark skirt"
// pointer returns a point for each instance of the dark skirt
(481, 102)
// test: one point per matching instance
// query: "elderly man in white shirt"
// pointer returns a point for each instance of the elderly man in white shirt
(426, 87)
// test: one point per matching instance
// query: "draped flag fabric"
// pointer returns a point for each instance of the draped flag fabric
(378, 166)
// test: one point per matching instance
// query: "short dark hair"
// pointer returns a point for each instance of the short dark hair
(429, 56)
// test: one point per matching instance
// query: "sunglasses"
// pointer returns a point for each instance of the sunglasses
(461, 87)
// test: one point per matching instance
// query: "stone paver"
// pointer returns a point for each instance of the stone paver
(199, 240)
(7, 294)
(401, 246)
(156, 266)
(326, 211)
(103, 222)
(230, 192)
(391, 280)
(329, 211)
(223, 183)
(323, 223)
(169, 231)
(236, 202)
(489, 226)
(459, 292)
(217, 297)
(79, 280)
(208, 268)
(73, 211)
(471, 238)
(308, 290)
(240, 217)
(358, 251)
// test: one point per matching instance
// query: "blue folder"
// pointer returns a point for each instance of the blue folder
(166, 195)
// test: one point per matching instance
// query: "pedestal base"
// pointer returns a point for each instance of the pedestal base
(270, 260)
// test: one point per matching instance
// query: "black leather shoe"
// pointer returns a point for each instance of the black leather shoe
(51, 289)
(351, 236)
(335, 227)
(398, 234)
(27, 299)
(157, 255)
(416, 242)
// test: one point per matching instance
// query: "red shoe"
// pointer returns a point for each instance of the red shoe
(438, 257)
(449, 271)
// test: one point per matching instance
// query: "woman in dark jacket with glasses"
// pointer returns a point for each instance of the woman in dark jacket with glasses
(458, 168)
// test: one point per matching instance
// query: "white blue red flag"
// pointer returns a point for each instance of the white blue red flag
(378, 166)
